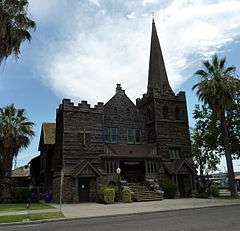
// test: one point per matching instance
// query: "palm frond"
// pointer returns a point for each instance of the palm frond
(222, 63)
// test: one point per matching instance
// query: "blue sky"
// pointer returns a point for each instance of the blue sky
(82, 48)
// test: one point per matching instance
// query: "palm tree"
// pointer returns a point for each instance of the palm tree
(217, 88)
(16, 132)
(14, 27)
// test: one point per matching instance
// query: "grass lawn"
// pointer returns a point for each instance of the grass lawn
(22, 207)
(30, 217)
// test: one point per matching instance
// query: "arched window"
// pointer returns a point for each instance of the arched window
(165, 112)
(177, 113)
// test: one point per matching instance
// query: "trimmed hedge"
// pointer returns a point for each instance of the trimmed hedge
(109, 195)
(126, 195)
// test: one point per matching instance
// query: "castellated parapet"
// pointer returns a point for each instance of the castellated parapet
(68, 105)
(180, 97)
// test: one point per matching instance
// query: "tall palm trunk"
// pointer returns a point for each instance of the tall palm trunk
(7, 162)
(7, 173)
(228, 156)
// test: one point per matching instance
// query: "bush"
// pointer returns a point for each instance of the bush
(109, 195)
(213, 191)
(169, 189)
(22, 195)
(201, 195)
(126, 195)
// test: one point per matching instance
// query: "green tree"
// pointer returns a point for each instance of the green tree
(218, 88)
(204, 143)
(15, 26)
(16, 132)
(233, 121)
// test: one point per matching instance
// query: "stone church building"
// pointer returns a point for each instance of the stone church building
(148, 140)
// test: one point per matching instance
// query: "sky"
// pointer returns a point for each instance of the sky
(82, 48)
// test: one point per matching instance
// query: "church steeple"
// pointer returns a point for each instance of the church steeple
(157, 75)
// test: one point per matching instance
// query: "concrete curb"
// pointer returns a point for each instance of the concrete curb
(110, 216)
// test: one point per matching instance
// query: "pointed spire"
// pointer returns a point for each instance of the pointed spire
(157, 75)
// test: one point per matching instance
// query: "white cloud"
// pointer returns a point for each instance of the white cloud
(43, 9)
(95, 2)
(131, 15)
(109, 49)
(145, 2)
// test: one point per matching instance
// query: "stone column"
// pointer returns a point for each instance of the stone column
(76, 195)
(146, 169)
(177, 184)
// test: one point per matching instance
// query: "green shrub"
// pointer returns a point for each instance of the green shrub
(22, 195)
(169, 188)
(213, 191)
(126, 195)
(109, 195)
(201, 195)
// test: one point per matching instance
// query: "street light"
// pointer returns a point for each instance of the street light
(119, 185)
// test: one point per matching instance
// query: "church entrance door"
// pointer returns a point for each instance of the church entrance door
(184, 184)
(133, 171)
(84, 189)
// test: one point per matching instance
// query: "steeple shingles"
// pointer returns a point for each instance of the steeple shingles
(157, 75)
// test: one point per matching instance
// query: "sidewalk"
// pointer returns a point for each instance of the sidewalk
(26, 212)
(87, 210)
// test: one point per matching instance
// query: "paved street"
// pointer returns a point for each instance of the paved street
(211, 219)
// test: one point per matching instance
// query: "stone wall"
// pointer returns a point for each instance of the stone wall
(82, 132)
(166, 122)
(93, 195)
(121, 113)
(67, 189)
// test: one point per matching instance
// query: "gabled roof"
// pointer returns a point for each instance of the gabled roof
(85, 167)
(47, 134)
(120, 96)
(23, 171)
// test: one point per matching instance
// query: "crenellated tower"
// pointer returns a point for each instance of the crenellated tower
(164, 112)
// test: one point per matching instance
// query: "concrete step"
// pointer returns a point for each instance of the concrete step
(142, 193)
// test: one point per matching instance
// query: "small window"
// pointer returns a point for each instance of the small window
(133, 136)
(110, 135)
(165, 112)
(113, 135)
(130, 136)
(174, 153)
(106, 135)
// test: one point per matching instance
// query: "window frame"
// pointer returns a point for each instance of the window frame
(174, 152)
(134, 135)
(108, 135)
(113, 135)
